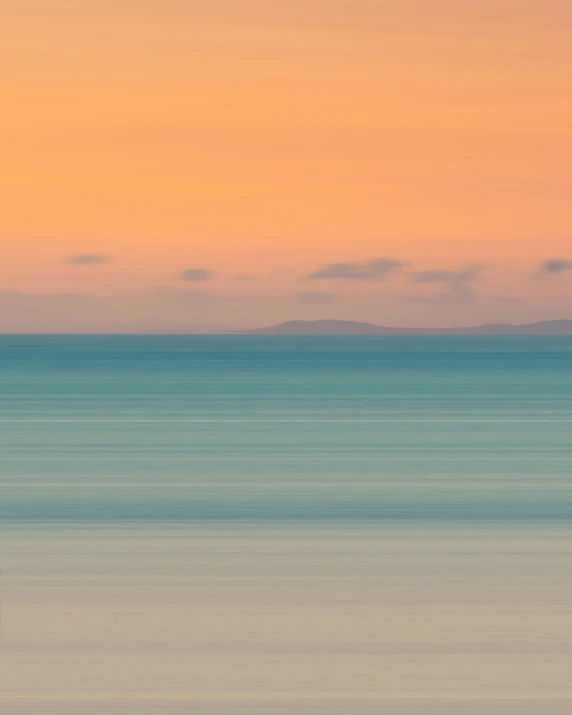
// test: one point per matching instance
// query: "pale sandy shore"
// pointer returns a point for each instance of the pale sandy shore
(275, 622)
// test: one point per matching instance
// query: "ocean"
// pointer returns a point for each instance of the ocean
(272, 525)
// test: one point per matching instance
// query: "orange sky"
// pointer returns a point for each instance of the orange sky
(269, 139)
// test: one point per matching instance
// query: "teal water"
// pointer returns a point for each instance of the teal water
(165, 429)
(226, 525)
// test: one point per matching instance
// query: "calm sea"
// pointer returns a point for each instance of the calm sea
(309, 525)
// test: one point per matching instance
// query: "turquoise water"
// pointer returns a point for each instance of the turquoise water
(157, 430)
(226, 525)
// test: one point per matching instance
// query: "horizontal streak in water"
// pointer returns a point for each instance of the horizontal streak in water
(275, 421)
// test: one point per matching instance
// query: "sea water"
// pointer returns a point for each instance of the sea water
(246, 524)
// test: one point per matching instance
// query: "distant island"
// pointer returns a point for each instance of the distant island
(350, 327)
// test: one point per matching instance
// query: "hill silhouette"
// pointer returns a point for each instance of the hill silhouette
(350, 327)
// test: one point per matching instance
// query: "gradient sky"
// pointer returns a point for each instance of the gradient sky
(176, 164)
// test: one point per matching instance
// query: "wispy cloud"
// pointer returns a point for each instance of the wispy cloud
(456, 283)
(195, 275)
(552, 267)
(372, 270)
(87, 259)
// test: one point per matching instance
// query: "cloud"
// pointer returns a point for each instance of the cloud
(316, 297)
(457, 290)
(87, 259)
(245, 278)
(552, 267)
(375, 269)
(194, 275)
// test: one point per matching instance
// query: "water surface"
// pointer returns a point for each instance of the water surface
(244, 524)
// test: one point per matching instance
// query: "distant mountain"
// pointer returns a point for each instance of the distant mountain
(350, 327)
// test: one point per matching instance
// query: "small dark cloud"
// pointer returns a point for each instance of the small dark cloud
(87, 259)
(456, 283)
(316, 297)
(245, 278)
(195, 275)
(375, 269)
(552, 267)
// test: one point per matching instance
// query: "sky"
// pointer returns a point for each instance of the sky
(188, 165)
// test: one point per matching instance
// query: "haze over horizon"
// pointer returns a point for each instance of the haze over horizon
(234, 164)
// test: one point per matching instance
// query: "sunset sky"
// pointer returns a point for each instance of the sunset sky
(214, 164)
